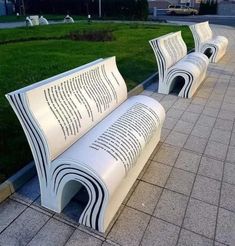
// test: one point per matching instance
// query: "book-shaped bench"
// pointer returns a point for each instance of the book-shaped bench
(178, 72)
(68, 19)
(213, 47)
(34, 20)
(84, 132)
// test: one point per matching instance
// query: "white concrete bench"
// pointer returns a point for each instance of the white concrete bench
(68, 19)
(178, 72)
(34, 20)
(213, 47)
(83, 131)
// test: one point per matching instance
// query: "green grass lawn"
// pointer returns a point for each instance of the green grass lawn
(26, 62)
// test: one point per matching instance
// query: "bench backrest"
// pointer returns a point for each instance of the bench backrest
(168, 49)
(68, 105)
(201, 33)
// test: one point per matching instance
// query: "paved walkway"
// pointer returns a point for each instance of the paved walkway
(184, 196)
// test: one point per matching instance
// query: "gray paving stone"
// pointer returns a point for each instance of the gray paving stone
(177, 139)
(213, 112)
(226, 115)
(188, 161)
(29, 192)
(196, 144)
(9, 210)
(231, 155)
(200, 218)
(216, 150)
(171, 207)
(214, 103)
(174, 113)
(190, 117)
(188, 238)
(169, 123)
(160, 233)
(232, 140)
(80, 238)
(220, 136)
(205, 120)
(195, 108)
(229, 173)
(206, 189)
(164, 134)
(145, 197)
(157, 174)
(211, 168)
(167, 154)
(226, 125)
(52, 233)
(183, 127)
(225, 227)
(23, 229)
(228, 197)
(180, 181)
(129, 228)
(199, 101)
(181, 103)
(201, 131)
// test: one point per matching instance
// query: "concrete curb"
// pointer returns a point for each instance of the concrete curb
(12, 184)
(16, 181)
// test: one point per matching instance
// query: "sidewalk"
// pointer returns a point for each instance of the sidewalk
(184, 196)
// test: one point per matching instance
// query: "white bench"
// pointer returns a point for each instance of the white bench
(213, 47)
(178, 72)
(43, 21)
(34, 20)
(68, 19)
(83, 131)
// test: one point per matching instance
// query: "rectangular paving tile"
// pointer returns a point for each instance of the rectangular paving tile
(195, 108)
(196, 144)
(211, 168)
(232, 141)
(200, 218)
(9, 210)
(174, 113)
(160, 233)
(190, 117)
(231, 154)
(201, 131)
(229, 173)
(226, 125)
(24, 228)
(167, 154)
(227, 199)
(216, 150)
(188, 238)
(145, 197)
(169, 123)
(220, 136)
(171, 207)
(188, 161)
(180, 181)
(176, 139)
(129, 228)
(205, 120)
(225, 227)
(157, 173)
(206, 189)
(183, 127)
(213, 112)
(52, 233)
(80, 238)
